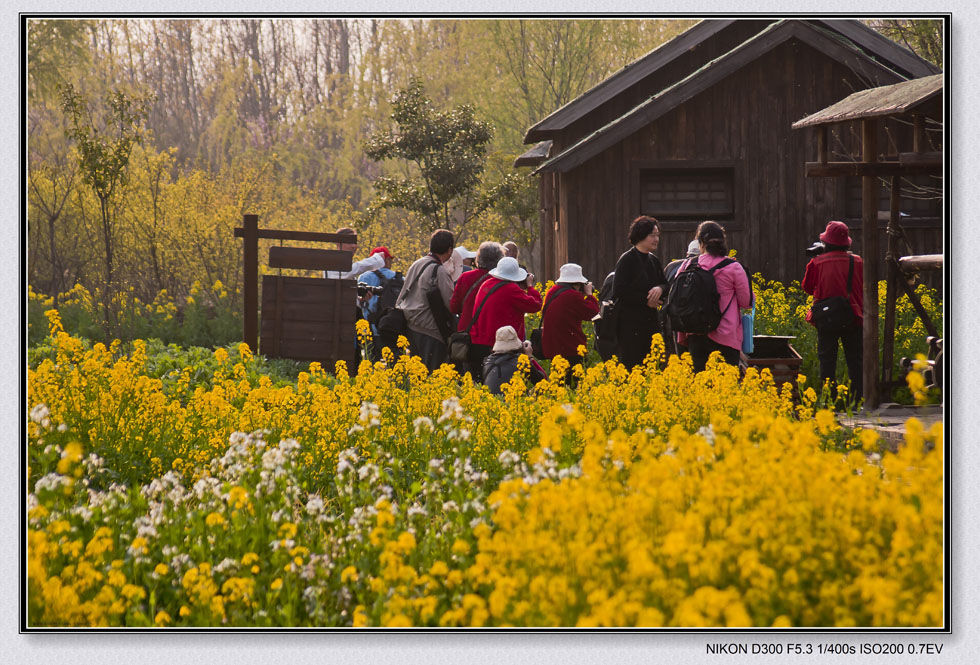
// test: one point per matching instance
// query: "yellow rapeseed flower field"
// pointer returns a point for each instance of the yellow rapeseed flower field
(656, 497)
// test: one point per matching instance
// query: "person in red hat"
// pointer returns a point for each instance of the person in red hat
(826, 277)
(373, 307)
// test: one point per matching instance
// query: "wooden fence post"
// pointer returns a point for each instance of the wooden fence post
(250, 288)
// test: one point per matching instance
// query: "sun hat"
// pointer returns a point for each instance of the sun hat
(464, 253)
(571, 273)
(507, 340)
(508, 269)
(694, 248)
(381, 250)
(836, 233)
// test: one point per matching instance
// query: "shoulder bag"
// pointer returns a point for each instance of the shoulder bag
(460, 342)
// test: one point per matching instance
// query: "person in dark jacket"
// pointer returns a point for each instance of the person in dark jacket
(825, 277)
(638, 290)
(567, 305)
(501, 365)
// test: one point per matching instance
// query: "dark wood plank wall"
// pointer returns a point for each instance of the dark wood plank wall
(746, 119)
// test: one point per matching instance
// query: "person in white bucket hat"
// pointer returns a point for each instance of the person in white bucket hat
(505, 306)
(501, 365)
(567, 305)
(462, 261)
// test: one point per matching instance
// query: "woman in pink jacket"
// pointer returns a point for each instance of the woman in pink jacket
(734, 293)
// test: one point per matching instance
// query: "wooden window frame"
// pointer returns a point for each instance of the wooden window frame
(682, 221)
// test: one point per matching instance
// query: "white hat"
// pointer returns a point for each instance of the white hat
(694, 248)
(508, 269)
(464, 253)
(507, 340)
(571, 273)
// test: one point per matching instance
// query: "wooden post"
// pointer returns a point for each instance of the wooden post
(891, 277)
(918, 133)
(869, 248)
(250, 285)
(822, 144)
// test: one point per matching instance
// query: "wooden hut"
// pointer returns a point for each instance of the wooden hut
(700, 128)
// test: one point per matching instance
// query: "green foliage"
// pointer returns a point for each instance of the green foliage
(448, 149)
(104, 150)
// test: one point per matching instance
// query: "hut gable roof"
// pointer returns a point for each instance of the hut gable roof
(625, 78)
(860, 36)
(895, 55)
(831, 43)
(886, 100)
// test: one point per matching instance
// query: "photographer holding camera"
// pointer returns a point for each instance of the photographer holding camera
(377, 292)
(834, 277)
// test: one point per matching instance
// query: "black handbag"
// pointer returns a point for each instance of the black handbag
(537, 335)
(460, 342)
(834, 314)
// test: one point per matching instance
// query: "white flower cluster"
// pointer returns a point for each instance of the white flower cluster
(708, 433)
(41, 415)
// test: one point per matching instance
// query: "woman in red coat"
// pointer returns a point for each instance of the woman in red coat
(506, 306)
(567, 305)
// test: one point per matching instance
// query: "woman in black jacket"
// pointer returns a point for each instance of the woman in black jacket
(638, 290)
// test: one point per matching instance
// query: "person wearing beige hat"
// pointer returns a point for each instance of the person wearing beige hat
(567, 304)
(501, 365)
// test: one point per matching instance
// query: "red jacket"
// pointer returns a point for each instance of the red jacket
(826, 276)
(459, 303)
(506, 307)
(561, 333)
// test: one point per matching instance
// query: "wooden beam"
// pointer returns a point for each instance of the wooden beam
(869, 248)
(882, 169)
(309, 236)
(932, 160)
(250, 282)
(921, 262)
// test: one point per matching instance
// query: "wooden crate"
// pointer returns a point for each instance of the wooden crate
(776, 353)
(309, 319)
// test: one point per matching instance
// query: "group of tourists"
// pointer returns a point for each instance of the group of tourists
(467, 308)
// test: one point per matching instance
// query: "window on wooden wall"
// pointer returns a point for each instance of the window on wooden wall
(921, 197)
(688, 193)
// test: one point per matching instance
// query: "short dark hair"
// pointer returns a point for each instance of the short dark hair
(441, 241)
(827, 247)
(711, 235)
(641, 227)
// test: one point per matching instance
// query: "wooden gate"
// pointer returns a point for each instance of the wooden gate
(302, 318)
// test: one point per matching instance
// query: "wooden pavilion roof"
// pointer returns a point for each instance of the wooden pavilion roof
(885, 100)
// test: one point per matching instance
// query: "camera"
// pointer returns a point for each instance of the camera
(366, 289)
(816, 249)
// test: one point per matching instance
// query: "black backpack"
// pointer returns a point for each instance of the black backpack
(692, 302)
(390, 288)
